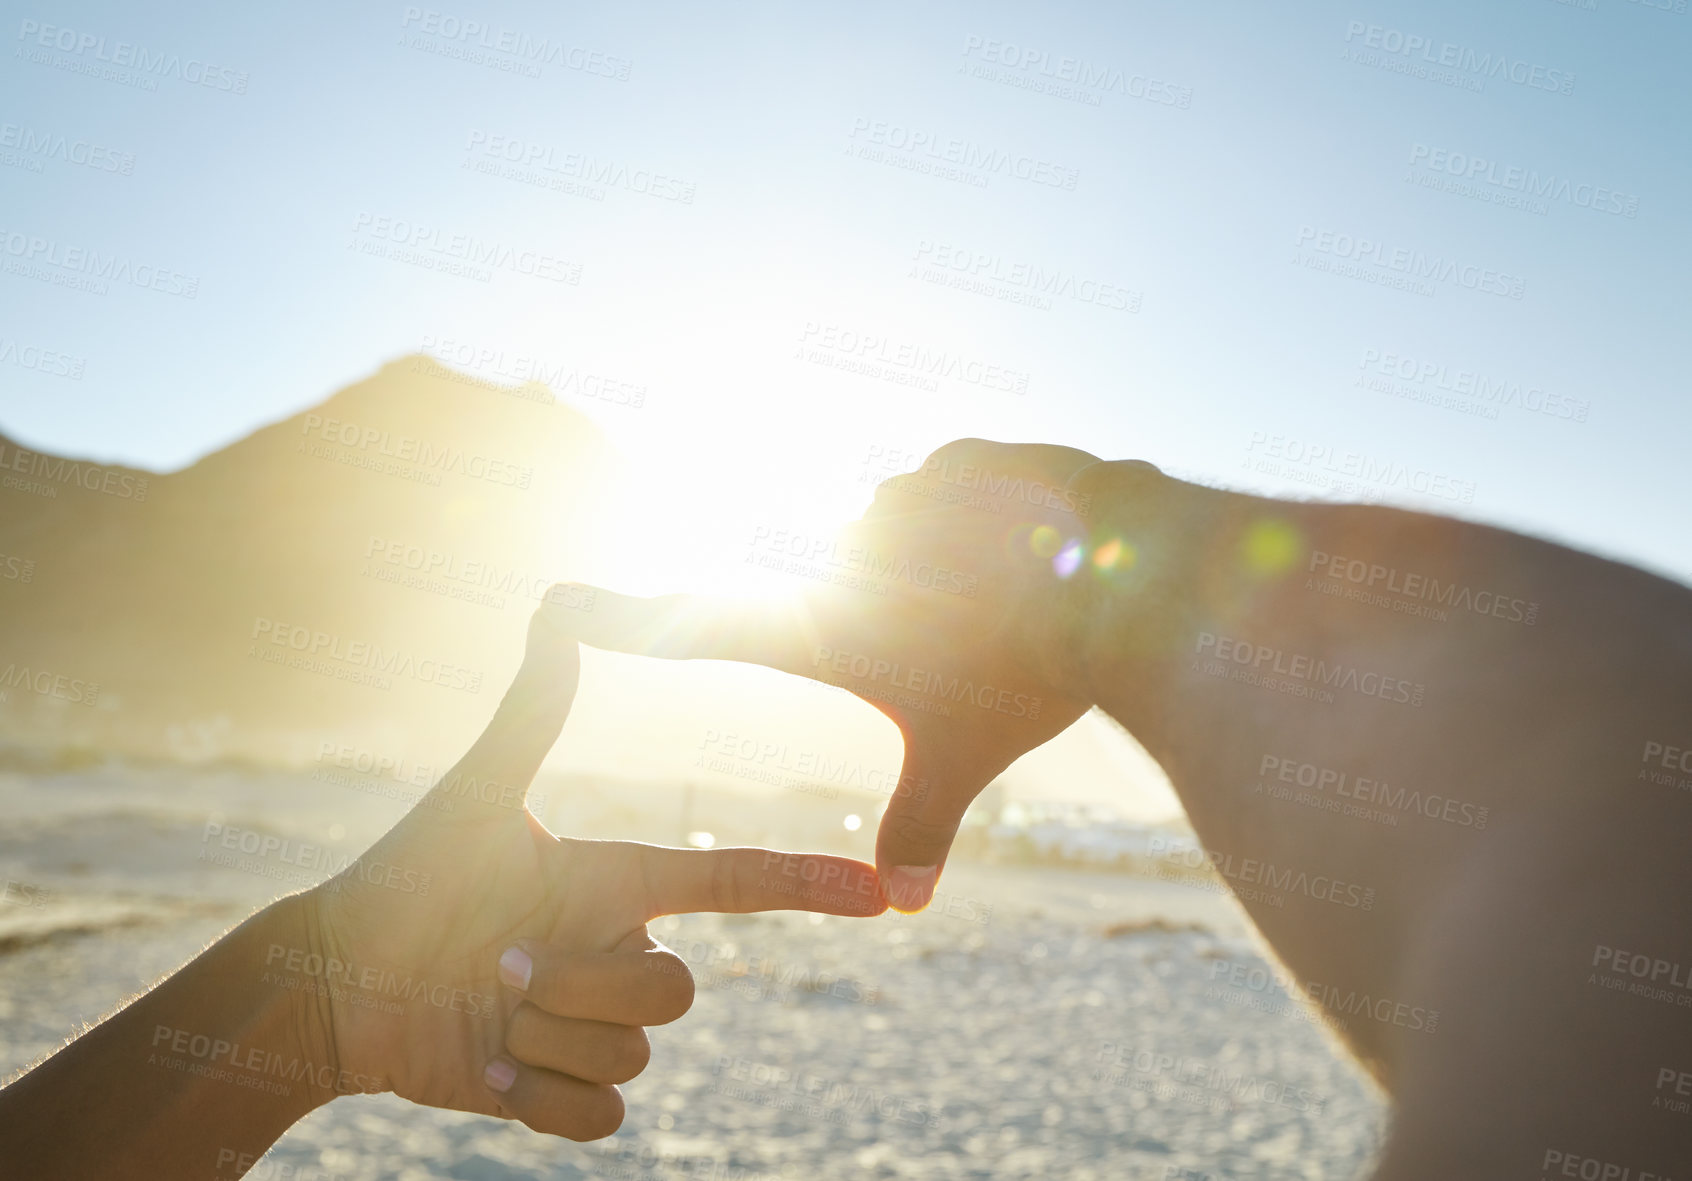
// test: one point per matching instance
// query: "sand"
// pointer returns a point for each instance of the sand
(1032, 1023)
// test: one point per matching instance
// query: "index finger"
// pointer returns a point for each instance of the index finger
(740, 881)
(692, 627)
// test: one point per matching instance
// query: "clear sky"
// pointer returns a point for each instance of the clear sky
(1227, 141)
(1252, 233)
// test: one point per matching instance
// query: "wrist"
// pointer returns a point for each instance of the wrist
(1137, 596)
(298, 949)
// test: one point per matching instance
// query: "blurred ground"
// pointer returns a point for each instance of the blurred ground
(1035, 1022)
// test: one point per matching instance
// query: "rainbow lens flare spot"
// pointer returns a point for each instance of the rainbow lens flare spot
(1068, 559)
(1271, 547)
(1115, 554)
(1045, 541)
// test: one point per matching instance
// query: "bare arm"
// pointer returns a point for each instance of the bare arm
(1411, 745)
(205, 1071)
(470, 959)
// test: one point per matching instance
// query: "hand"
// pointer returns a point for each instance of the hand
(472, 960)
(970, 666)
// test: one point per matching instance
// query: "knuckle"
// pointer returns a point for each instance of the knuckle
(598, 1116)
(522, 1032)
(549, 987)
(914, 833)
(632, 1054)
(675, 989)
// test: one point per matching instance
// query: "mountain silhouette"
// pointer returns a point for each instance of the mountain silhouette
(356, 574)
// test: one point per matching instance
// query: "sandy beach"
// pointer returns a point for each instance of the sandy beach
(1034, 1022)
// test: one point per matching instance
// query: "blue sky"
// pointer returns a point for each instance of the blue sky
(1225, 162)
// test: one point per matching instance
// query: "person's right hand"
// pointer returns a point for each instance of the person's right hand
(471, 959)
(972, 680)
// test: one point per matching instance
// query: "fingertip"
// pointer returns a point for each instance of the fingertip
(910, 888)
(676, 988)
(841, 886)
(499, 1074)
(516, 967)
(866, 887)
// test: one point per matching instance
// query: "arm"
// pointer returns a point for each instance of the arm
(469, 959)
(1411, 746)
(206, 1070)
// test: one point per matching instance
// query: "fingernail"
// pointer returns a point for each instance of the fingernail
(910, 887)
(499, 1075)
(515, 968)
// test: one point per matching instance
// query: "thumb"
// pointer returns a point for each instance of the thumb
(528, 720)
(936, 787)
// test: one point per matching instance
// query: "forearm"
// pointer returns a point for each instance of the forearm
(1215, 593)
(195, 1079)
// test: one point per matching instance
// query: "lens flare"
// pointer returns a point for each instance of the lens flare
(1068, 559)
(1045, 541)
(1115, 554)
(1271, 547)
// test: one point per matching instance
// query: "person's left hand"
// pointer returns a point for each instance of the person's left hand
(472, 960)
